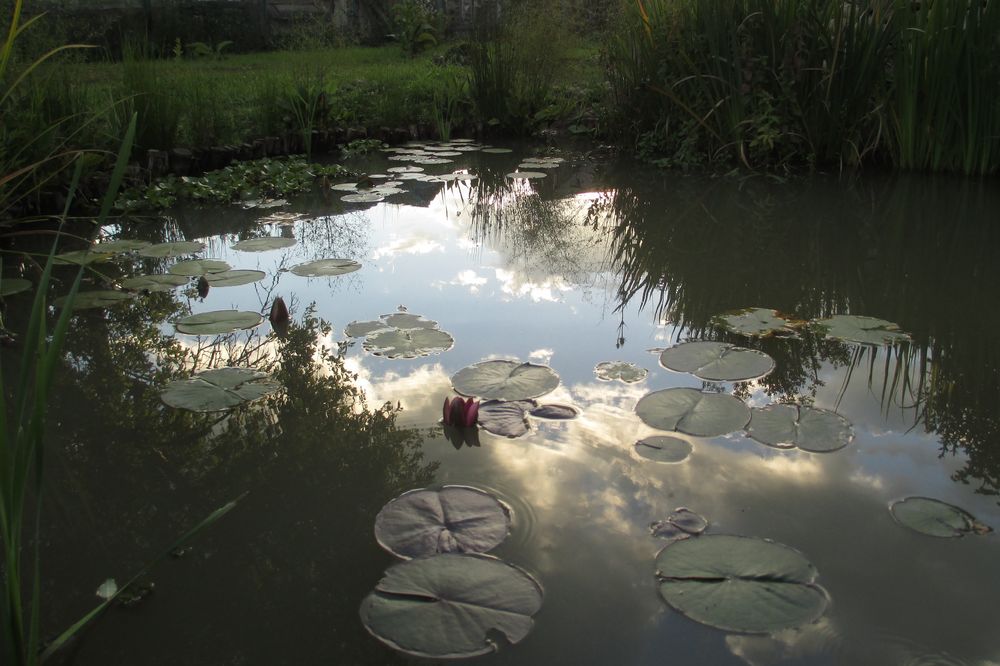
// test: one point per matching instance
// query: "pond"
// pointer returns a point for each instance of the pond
(594, 269)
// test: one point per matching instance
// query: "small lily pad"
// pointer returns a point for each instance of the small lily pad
(527, 175)
(406, 320)
(359, 329)
(740, 584)
(163, 282)
(234, 278)
(86, 300)
(935, 518)
(119, 246)
(555, 412)
(755, 322)
(449, 606)
(620, 370)
(809, 428)
(405, 169)
(218, 322)
(693, 412)
(81, 257)
(505, 380)
(664, 448)
(862, 330)
(717, 361)
(264, 244)
(680, 524)
(326, 268)
(176, 249)
(196, 267)
(408, 343)
(455, 519)
(496, 151)
(369, 197)
(11, 286)
(218, 390)
(506, 419)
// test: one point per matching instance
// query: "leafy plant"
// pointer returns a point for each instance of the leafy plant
(450, 99)
(203, 50)
(415, 25)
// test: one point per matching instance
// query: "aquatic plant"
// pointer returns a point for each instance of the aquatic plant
(460, 412)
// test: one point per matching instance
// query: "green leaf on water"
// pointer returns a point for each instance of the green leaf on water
(680, 524)
(808, 428)
(755, 322)
(119, 246)
(448, 606)
(505, 418)
(935, 518)
(81, 257)
(175, 249)
(164, 282)
(862, 330)
(740, 584)
(693, 412)
(326, 268)
(717, 361)
(196, 267)
(264, 244)
(218, 390)
(359, 329)
(664, 448)
(408, 343)
(94, 299)
(234, 278)
(505, 380)
(620, 370)
(218, 322)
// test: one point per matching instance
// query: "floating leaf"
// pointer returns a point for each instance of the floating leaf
(218, 390)
(408, 343)
(935, 518)
(505, 380)
(218, 322)
(449, 606)
(176, 249)
(555, 412)
(809, 428)
(368, 197)
(664, 448)
(119, 246)
(234, 278)
(717, 361)
(862, 330)
(405, 169)
(81, 257)
(506, 419)
(407, 320)
(680, 524)
(11, 286)
(163, 282)
(740, 584)
(107, 589)
(693, 412)
(455, 519)
(620, 370)
(497, 151)
(326, 267)
(264, 244)
(755, 322)
(94, 299)
(527, 175)
(359, 329)
(195, 267)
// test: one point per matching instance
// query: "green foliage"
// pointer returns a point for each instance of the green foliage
(416, 25)
(360, 147)
(451, 102)
(149, 94)
(203, 50)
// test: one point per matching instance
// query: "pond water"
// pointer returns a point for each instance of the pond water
(598, 261)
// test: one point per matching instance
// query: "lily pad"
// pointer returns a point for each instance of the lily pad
(86, 300)
(935, 518)
(408, 343)
(717, 361)
(755, 322)
(369, 197)
(196, 267)
(449, 606)
(11, 286)
(119, 246)
(218, 322)
(693, 412)
(359, 329)
(862, 330)
(218, 390)
(81, 257)
(496, 151)
(455, 519)
(176, 249)
(555, 412)
(164, 282)
(620, 370)
(527, 175)
(326, 267)
(809, 428)
(264, 244)
(506, 419)
(680, 524)
(664, 448)
(505, 380)
(408, 320)
(740, 584)
(405, 169)
(234, 278)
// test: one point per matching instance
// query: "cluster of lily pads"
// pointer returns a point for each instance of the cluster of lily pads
(448, 598)
(857, 329)
(401, 335)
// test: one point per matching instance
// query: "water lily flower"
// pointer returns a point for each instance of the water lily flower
(460, 412)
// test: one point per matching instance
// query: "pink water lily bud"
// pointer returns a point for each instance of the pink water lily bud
(460, 412)
(471, 413)
(446, 411)
(457, 416)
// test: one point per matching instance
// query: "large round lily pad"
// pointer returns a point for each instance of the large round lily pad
(505, 418)
(717, 361)
(359, 329)
(862, 330)
(454, 519)
(176, 249)
(11, 286)
(264, 244)
(935, 518)
(740, 584)
(664, 448)
(449, 606)
(408, 320)
(218, 390)
(218, 322)
(196, 267)
(809, 428)
(693, 412)
(326, 267)
(234, 278)
(81, 257)
(505, 380)
(164, 282)
(755, 322)
(408, 343)
(620, 370)
(86, 300)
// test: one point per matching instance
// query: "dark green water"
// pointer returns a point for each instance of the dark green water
(596, 262)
